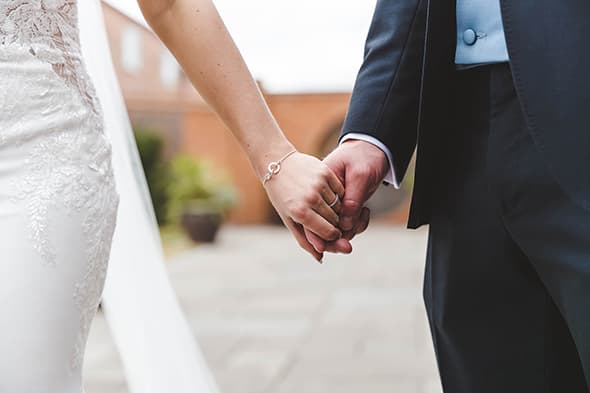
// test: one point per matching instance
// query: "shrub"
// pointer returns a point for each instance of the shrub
(195, 185)
(151, 146)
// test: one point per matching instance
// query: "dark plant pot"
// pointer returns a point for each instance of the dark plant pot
(201, 225)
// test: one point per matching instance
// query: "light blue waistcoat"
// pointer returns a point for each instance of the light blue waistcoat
(480, 34)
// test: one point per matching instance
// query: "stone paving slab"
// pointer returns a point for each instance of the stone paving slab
(271, 320)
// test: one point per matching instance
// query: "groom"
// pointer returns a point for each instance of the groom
(495, 94)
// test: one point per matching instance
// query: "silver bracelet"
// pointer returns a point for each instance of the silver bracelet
(275, 167)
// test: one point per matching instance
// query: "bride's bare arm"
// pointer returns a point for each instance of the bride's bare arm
(196, 35)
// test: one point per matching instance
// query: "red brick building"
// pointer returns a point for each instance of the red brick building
(160, 97)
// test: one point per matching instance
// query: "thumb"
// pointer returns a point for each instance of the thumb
(355, 196)
(335, 161)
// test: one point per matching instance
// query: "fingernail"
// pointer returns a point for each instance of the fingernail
(346, 223)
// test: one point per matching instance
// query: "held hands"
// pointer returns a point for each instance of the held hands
(360, 166)
(302, 193)
(306, 187)
(302, 190)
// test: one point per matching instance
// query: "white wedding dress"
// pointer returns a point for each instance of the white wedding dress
(58, 210)
(58, 199)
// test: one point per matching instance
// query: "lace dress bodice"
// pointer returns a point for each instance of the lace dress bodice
(49, 29)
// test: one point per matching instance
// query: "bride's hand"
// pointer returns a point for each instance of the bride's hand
(302, 192)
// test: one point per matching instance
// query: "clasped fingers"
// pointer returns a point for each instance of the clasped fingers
(319, 205)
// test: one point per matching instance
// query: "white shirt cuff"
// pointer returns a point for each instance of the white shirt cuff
(390, 177)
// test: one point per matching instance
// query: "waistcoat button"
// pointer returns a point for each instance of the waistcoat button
(469, 37)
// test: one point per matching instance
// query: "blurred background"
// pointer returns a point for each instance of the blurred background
(266, 316)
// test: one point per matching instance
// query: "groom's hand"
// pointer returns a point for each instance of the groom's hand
(361, 166)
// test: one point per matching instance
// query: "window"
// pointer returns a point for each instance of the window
(169, 70)
(131, 49)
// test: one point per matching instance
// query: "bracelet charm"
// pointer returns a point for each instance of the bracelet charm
(275, 167)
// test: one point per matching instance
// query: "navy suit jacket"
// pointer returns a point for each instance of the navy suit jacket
(403, 89)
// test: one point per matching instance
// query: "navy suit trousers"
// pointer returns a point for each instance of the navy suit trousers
(507, 282)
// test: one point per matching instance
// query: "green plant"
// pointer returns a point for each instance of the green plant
(151, 146)
(194, 185)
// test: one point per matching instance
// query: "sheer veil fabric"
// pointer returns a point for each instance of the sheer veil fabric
(154, 340)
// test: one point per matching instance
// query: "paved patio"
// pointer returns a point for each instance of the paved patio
(271, 320)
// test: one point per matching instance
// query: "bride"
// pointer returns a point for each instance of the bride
(58, 196)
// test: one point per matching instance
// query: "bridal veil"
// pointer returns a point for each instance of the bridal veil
(154, 340)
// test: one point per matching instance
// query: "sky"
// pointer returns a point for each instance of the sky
(295, 46)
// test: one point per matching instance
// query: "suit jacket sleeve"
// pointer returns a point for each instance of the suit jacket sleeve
(386, 96)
